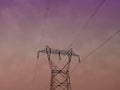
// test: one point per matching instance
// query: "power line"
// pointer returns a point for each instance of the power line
(101, 45)
(93, 14)
(46, 15)
(87, 22)
(98, 8)
(85, 25)
(43, 35)
(35, 72)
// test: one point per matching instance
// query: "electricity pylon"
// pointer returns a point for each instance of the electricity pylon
(56, 83)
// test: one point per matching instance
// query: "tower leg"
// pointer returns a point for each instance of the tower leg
(60, 79)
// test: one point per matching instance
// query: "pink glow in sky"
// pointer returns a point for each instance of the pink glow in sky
(26, 26)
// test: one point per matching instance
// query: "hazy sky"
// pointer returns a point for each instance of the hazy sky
(26, 26)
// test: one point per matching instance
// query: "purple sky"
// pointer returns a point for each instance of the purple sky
(26, 26)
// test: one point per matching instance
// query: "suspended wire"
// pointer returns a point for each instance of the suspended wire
(43, 35)
(98, 8)
(101, 45)
(35, 72)
(85, 25)
(87, 22)
(46, 15)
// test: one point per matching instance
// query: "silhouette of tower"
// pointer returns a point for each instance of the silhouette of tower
(60, 78)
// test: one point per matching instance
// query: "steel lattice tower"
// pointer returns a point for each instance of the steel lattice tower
(56, 83)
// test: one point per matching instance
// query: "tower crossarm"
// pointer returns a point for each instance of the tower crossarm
(74, 54)
(59, 52)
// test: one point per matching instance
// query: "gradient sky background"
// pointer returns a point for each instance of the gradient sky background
(26, 26)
